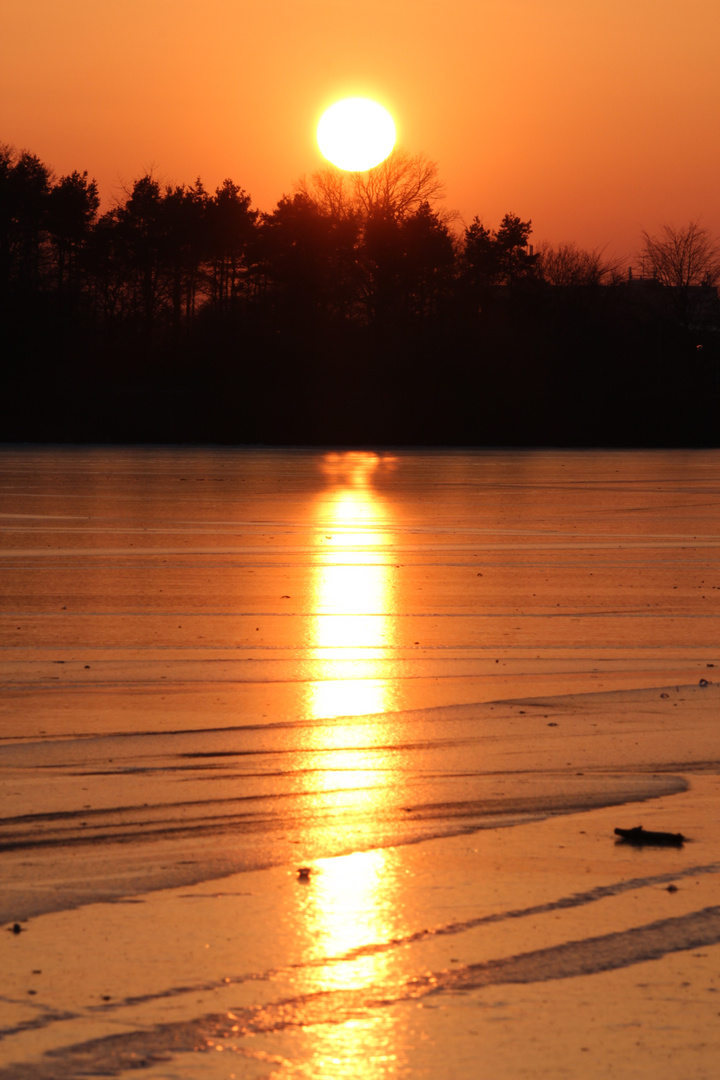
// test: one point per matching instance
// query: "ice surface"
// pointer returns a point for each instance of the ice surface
(439, 680)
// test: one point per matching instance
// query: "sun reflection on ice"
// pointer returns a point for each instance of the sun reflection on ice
(353, 630)
(353, 627)
(350, 910)
(347, 913)
(351, 906)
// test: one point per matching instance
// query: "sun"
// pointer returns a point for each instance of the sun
(356, 134)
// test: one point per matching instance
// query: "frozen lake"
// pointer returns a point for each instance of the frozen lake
(219, 665)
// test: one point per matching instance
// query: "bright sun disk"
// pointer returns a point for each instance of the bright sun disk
(356, 134)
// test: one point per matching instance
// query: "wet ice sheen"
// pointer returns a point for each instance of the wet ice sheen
(216, 662)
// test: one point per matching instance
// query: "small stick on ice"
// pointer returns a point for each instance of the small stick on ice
(640, 836)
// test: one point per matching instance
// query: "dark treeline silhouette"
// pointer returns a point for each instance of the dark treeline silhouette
(356, 311)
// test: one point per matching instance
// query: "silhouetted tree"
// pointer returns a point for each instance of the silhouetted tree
(398, 186)
(72, 208)
(106, 269)
(480, 256)
(682, 257)
(142, 248)
(24, 189)
(231, 235)
(187, 248)
(499, 257)
(516, 261)
(381, 260)
(429, 259)
(362, 266)
(310, 257)
(408, 263)
(568, 264)
(401, 241)
(331, 190)
(7, 157)
(682, 260)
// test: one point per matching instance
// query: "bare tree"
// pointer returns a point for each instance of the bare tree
(401, 248)
(683, 257)
(684, 260)
(568, 264)
(396, 188)
(399, 185)
(331, 191)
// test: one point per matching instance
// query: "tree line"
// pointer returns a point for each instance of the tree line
(357, 309)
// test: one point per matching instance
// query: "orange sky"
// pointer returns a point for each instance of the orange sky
(595, 118)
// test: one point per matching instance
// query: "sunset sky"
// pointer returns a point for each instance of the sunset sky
(594, 119)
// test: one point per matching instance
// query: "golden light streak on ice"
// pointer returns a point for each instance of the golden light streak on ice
(352, 625)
